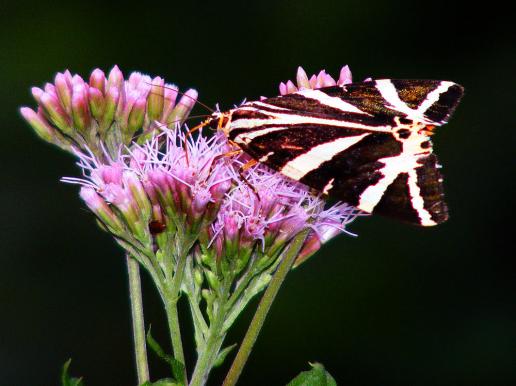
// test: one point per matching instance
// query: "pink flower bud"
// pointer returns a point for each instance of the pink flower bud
(111, 174)
(96, 102)
(283, 89)
(345, 76)
(159, 179)
(183, 108)
(201, 198)
(302, 79)
(133, 183)
(137, 115)
(165, 186)
(169, 101)
(151, 193)
(135, 78)
(64, 91)
(99, 206)
(55, 112)
(50, 89)
(78, 81)
(324, 80)
(115, 78)
(39, 124)
(231, 233)
(155, 100)
(254, 228)
(80, 108)
(98, 80)
(125, 107)
(36, 94)
(112, 98)
(92, 198)
(117, 195)
(68, 76)
(219, 189)
(291, 87)
(313, 81)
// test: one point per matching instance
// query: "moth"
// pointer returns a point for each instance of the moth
(367, 144)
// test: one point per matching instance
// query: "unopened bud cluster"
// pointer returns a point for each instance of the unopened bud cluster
(106, 111)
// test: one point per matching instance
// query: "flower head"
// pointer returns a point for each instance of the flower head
(105, 112)
(204, 197)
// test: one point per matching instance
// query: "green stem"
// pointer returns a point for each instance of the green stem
(135, 296)
(216, 335)
(209, 354)
(263, 308)
(170, 300)
(242, 285)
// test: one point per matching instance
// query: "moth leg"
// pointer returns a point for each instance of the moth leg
(249, 164)
(189, 133)
(228, 154)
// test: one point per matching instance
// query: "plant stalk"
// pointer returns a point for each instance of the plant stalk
(211, 349)
(135, 296)
(170, 301)
(263, 308)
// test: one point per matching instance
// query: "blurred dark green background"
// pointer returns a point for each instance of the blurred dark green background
(395, 306)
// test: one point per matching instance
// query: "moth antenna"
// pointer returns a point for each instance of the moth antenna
(189, 117)
(188, 96)
(159, 124)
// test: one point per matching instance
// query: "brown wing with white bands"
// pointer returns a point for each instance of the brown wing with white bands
(365, 143)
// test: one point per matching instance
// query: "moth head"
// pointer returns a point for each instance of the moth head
(220, 121)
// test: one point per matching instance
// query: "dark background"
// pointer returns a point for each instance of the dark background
(396, 306)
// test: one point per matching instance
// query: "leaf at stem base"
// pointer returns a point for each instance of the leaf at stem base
(317, 376)
(66, 379)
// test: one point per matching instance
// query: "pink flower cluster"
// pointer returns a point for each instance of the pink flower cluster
(204, 195)
(105, 112)
(320, 80)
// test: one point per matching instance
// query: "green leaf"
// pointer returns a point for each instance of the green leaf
(317, 376)
(162, 382)
(156, 347)
(223, 354)
(66, 379)
(178, 368)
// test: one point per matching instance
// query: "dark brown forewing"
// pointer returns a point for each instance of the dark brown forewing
(413, 92)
